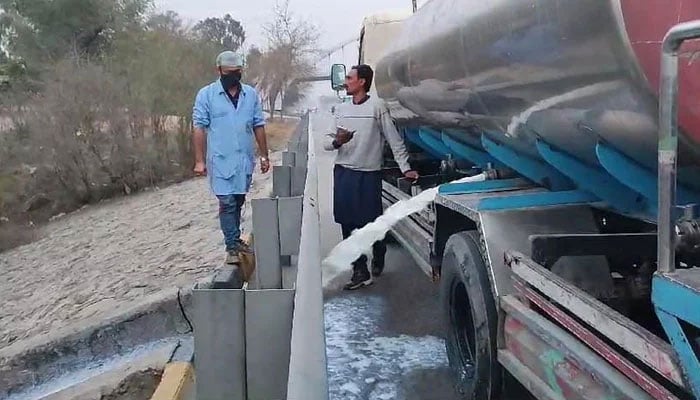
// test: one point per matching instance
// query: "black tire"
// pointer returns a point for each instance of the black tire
(471, 319)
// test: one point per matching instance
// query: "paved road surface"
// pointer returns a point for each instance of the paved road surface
(383, 342)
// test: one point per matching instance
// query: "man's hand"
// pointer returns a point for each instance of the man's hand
(412, 175)
(200, 168)
(343, 135)
(264, 164)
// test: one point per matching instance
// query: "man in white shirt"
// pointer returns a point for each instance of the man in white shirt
(362, 127)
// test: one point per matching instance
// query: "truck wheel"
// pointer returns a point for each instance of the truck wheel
(471, 318)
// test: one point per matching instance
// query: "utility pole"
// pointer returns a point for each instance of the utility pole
(415, 5)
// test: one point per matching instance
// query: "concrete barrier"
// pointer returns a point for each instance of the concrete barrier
(308, 379)
(49, 363)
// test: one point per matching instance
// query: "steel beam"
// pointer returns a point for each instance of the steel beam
(479, 157)
(268, 320)
(485, 186)
(536, 200)
(289, 215)
(281, 181)
(268, 273)
(298, 181)
(289, 159)
(219, 342)
(668, 141)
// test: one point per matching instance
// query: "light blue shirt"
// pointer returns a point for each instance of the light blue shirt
(230, 136)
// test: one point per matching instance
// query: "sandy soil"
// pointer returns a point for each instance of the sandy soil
(110, 255)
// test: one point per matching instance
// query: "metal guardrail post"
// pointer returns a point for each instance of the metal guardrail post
(219, 342)
(289, 159)
(268, 320)
(289, 214)
(281, 181)
(268, 272)
(308, 378)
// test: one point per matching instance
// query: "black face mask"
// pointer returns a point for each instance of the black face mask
(231, 80)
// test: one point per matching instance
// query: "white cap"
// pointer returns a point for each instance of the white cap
(229, 59)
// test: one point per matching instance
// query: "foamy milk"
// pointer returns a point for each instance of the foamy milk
(360, 242)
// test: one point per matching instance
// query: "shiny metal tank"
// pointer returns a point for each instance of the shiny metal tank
(569, 71)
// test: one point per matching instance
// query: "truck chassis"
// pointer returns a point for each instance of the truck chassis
(550, 274)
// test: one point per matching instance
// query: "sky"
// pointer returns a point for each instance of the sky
(338, 21)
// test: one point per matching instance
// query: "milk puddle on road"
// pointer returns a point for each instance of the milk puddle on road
(363, 364)
(360, 242)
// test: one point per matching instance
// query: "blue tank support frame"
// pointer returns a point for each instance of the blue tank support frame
(536, 170)
(594, 180)
(617, 182)
(478, 157)
(485, 186)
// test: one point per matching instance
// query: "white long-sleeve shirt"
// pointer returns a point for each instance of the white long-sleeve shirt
(372, 125)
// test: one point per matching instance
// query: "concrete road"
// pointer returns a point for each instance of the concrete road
(383, 342)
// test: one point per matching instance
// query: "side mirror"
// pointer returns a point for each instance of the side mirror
(338, 73)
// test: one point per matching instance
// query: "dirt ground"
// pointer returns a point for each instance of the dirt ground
(110, 255)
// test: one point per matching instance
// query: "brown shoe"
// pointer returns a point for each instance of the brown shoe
(246, 257)
(232, 257)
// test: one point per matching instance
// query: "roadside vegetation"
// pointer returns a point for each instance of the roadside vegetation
(96, 97)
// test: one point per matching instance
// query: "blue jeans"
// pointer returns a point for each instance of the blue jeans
(230, 207)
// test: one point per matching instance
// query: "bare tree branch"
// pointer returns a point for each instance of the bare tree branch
(292, 41)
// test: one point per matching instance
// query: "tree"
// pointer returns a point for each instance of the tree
(169, 22)
(225, 32)
(291, 42)
(294, 94)
(43, 31)
(253, 70)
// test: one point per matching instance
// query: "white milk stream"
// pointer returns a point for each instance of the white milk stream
(360, 242)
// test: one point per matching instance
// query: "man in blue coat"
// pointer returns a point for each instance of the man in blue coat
(228, 119)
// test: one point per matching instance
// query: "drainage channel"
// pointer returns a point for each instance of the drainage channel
(89, 360)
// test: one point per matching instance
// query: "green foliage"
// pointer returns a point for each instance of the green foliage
(112, 117)
(40, 31)
(226, 32)
(163, 67)
(97, 95)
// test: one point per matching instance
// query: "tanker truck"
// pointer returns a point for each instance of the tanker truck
(570, 261)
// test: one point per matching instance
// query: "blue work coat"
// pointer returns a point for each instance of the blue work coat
(230, 137)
